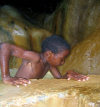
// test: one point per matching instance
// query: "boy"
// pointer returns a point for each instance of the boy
(36, 65)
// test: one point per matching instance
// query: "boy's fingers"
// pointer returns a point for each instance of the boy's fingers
(25, 85)
(68, 78)
(87, 78)
(20, 82)
(17, 86)
(77, 77)
(82, 77)
(17, 81)
(29, 82)
(24, 80)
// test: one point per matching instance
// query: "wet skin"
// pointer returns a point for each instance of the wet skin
(34, 65)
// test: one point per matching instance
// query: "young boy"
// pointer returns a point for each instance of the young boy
(36, 65)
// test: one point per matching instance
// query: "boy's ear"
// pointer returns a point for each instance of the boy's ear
(48, 53)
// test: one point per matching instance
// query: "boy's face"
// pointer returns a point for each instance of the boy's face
(57, 59)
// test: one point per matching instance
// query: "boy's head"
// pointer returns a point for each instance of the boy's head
(54, 44)
(55, 49)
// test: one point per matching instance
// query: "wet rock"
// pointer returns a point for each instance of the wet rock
(74, 19)
(85, 56)
(59, 93)
(13, 26)
(37, 35)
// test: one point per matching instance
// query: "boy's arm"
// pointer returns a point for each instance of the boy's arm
(54, 71)
(5, 51)
(24, 54)
(56, 74)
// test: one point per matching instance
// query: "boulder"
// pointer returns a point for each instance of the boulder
(37, 35)
(85, 56)
(74, 19)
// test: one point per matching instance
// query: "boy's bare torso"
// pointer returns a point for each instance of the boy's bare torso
(32, 70)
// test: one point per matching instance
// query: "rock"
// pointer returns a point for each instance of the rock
(85, 56)
(37, 35)
(13, 29)
(13, 26)
(78, 25)
(52, 93)
(74, 19)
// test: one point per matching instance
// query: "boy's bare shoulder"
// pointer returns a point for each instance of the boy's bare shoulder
(4, 45)
(20, 52)
(36, 56)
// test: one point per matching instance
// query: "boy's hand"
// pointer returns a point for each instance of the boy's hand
(16, 81)
(76, 76)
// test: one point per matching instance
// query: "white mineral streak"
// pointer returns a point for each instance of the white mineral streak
(18, 31)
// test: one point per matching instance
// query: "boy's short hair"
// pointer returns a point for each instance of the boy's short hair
(54, 44)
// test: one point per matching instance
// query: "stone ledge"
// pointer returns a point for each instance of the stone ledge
(52, 93)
